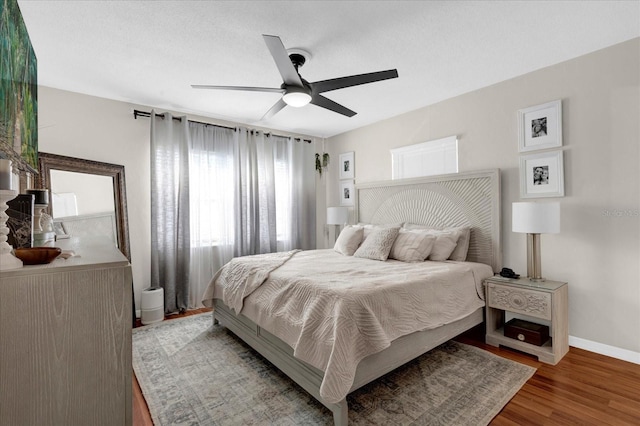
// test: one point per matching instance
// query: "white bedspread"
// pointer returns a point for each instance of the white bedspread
(335, 310)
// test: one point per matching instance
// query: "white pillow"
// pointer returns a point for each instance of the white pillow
(349, 240)
(461, 235)
(462, 247)
(443, 247)
(368, 227)
(412, 246)
(378, 244)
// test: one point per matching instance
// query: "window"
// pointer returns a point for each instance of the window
(435, 157)
(211, 191)
(211, 207)
(283, 200)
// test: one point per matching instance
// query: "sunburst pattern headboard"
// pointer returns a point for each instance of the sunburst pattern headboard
(461, 199)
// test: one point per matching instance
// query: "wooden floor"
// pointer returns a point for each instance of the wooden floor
(583, 389)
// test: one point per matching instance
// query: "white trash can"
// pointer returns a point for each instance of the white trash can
(152, 305)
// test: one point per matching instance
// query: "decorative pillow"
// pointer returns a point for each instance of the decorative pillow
(368, 227)
(443, 247)
(461, 235)
(462, 248)
(412, 246)
(349, 240)
(378, 244)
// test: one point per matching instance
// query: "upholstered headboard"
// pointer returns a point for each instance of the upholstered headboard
(461, 199)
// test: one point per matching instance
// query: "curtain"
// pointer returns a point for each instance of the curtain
(295, 194)
(212, 151)
(251, 194)
(170, 241)
(255, 202)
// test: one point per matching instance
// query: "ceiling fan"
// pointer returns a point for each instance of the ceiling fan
(298, 92)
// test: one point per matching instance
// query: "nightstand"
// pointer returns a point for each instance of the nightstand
(547, 300)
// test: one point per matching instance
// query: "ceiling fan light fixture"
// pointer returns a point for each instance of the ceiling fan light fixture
(296, 97)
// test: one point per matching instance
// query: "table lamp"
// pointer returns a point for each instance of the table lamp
(337, 216)
(535, 219)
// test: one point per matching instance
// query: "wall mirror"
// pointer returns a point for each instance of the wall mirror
(86, 198)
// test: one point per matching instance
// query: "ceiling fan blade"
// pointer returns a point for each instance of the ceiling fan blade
(248, 89)
(353, 80)
(281, 57)
(327, 103)
(274, 110)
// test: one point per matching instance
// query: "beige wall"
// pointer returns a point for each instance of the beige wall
(598, 254)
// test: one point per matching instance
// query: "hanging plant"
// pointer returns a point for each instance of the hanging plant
(325, 159)
(318, 164)
(321, 163)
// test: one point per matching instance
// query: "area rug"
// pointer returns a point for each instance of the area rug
(192, 372)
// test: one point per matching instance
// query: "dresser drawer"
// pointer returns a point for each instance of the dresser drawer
(534, 303)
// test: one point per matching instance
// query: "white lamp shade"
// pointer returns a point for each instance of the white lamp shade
(536, 218)
(337, 215)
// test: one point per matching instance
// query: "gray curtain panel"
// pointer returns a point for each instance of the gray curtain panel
(255, 190)
(170, 240)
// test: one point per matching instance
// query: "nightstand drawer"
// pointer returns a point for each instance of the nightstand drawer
(528, 302)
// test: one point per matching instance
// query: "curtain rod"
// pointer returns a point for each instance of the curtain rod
(138, 113)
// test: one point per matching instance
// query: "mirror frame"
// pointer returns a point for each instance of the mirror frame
(47, 162)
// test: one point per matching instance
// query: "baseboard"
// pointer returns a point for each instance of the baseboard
(602, 349)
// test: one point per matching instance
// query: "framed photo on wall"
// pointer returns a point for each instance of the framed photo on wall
(542, 175)
(540, 127)
(347, 166)
(346, 193)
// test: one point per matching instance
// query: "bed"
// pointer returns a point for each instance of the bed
(329, 333)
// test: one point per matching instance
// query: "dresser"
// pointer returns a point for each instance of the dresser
(539, 301)
(65, 339)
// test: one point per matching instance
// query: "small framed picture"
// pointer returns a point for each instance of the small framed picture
(346, 193)
(347, 166)
(542, 175)
(540, 127)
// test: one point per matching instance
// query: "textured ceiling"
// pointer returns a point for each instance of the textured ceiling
(150, 52)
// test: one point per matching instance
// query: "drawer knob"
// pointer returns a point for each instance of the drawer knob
(518, 300)
(521, 337)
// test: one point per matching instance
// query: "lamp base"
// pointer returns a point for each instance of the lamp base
(534, 269)
(336, 233)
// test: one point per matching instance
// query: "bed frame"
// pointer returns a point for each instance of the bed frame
(462, 199)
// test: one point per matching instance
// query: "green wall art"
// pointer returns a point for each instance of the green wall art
(18, 90)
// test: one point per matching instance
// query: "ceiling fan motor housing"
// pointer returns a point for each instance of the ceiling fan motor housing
(297, 59)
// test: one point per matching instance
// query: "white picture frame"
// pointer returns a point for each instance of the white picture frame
(540, 127)
(346, 193)
(347, 165)
(542, 175)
